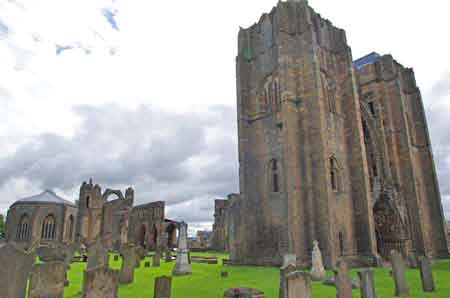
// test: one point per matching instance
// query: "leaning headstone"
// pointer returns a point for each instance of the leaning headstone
(426, 274)
(343, 280)
(100, 282)
(182, 266)
(97, 255)
(163, 287)
(298, 285)
(129, 257)
(15, 266)
(243, 293)
(367, 284)
(284, 271)
(47, 280)
(289, 259)
(317, 270)
(398, 273)
(157, 259)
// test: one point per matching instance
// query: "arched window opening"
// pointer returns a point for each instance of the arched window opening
(275, 176)
(23, 229)
(48, 228)
(87, 201)
(334, 175)
(341, 243)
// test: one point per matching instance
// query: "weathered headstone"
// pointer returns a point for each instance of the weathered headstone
(343, 281)
(129, 258)
(298, 285)
(243, 293)
(367, 284)
(97, 255)
(182, 266)
(100, 282)
(426, 274)
(47, 280)
(15, 266)
(317, 270)
(157, 259)
(289, 259)
(284, 271)
(398, 273)
(163, 287)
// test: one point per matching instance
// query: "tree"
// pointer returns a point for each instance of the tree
(2, 225)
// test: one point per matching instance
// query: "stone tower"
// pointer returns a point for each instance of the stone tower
(306, 159)
(90, 213)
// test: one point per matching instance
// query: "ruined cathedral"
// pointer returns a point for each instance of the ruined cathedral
(330, 149)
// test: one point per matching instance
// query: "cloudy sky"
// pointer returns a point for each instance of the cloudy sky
(142, 93)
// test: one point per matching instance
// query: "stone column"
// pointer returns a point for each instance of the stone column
(182, 266)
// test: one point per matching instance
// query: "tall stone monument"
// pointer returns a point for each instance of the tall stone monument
(182, 266)
(317, 270)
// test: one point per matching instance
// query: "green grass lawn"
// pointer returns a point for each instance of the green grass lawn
(205, 282)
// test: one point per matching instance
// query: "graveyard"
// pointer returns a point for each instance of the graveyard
(206, 280)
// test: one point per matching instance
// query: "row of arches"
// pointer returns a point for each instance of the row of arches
(48, 228)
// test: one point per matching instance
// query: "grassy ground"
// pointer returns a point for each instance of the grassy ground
(206, 282)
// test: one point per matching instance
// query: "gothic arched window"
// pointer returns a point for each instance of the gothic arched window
(48, 228)
(23, 229)
(275, 175)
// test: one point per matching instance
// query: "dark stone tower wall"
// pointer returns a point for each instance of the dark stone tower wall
(298, 107)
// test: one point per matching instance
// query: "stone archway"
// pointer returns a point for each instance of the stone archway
(389, 227)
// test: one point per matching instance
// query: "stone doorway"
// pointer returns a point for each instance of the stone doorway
(388, 227)
(141, 236)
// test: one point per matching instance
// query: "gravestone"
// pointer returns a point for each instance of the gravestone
(16, 264)
(100, 282)
(367, 284)
(47, 280)
(147, 264)
(168, 256)
(317, 270)
(182, 266)
(157, 259)
(298, 285)
(243, 293)
(398, 273)
(97, 255)
(426, 274)
(284, 271)
(129, 258)
(116, 257)
(289, 259)
(163, 287)
(57, 252)
(343, 280)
